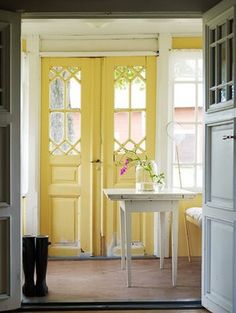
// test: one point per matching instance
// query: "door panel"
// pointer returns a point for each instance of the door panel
(219, 210)
(129, 112)
(65, 155)
(10, 234)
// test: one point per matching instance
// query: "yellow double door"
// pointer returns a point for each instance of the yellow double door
(93, 108)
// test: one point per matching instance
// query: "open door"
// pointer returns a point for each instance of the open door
(10, 242)
(219, 209)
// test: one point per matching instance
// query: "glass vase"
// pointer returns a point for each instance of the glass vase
(144, 180)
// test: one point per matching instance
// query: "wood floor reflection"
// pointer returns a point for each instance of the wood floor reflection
(95, 280)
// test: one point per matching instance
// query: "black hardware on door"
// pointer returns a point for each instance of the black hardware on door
(228, 137)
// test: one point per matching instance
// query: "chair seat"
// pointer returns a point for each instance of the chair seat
(195, 213)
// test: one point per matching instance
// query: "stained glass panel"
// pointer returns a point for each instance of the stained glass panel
(73, 94)
(121, 126)
(73, 127)
(138, 126)
(121, 93)
(138, 94)
(56, 94)
(56, 127)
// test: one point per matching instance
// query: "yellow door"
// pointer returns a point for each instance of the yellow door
(81, 137)
(128, 122)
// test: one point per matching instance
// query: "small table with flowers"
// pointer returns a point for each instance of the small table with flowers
(163, 201)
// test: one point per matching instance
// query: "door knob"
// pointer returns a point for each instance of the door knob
(96, 161)
(228, 137)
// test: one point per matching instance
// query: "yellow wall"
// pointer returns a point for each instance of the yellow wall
(187, 43)
(195, 232)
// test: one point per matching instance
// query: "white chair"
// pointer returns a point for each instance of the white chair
(194, 216)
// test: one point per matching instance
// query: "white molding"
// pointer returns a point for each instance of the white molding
(164, 41)
(96, 54)
(32, 207)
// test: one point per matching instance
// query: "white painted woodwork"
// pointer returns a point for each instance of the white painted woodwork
(10, 235)
(164, 201)
(219, 211)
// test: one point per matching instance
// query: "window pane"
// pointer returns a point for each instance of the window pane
(186, 175)
(138, 126)
(200, 114)
(56, 94)
(185, 70)
(138, 94)
(73, 127)
(199, 176)
(186, 148)
(73, 94)
(121, 126)
(121, 94)
(184, 95)
(200, 95)
(56, 127)
(184, 114)
(200, 144)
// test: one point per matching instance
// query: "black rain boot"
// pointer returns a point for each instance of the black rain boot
(41, 265)
(28, 265)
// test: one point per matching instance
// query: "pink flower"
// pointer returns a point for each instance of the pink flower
(126, 162)
(123, 170)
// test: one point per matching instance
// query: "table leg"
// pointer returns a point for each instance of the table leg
(162, 239)
(128, 246)
(175, 226)
(122, 237)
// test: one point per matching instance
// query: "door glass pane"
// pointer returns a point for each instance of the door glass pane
(222, 94)
(212, 35)
(56, 127)
(184, 95)
(4, 255)
(56, 94)
(231, 64)
(121, 126)
(138, 94)
(138, 126)
(231, 26)
(73, 127)
(122, 92)
(222, 31)
(212, 66)
(222, 63)
(73, 94)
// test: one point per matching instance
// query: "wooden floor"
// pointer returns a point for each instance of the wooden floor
(131, 311)
(103, 280)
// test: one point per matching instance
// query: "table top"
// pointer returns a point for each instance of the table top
(132, 194)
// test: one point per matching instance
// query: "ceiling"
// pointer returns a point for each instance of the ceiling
(97, 27)
(137, 8)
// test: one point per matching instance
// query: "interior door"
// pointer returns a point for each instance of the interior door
(128, 107)
(219, 209)
(10, 235)
(65, 155)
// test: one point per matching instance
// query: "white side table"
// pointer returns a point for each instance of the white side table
(162, 201)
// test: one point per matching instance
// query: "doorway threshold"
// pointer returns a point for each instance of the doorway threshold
(112, 305)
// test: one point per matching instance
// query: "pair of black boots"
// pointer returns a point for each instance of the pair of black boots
(35, 251)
